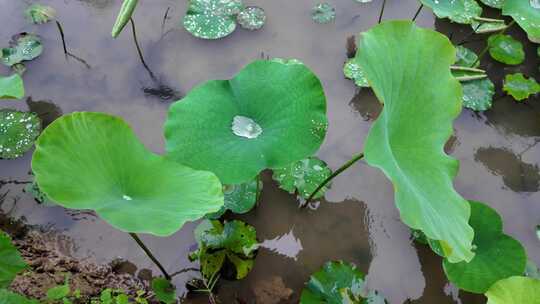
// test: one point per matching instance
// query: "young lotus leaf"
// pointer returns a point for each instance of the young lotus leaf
(39, 14)
(23, 47)
(239, 127)
(212, 19)
(526, 15)
(493, 3)
(240, 198)
(251, 18)
(323, 13)
(466, 57)
(514, 290)
(11, 262)
(11, 87)
(497, 255)
(126, 11)
(8, 297)
(478, 94)
(235, 241)
(520, 87)
(352, 70)
(506, 49)
(303, 176)
(18, 131)
(460, 11)
(164, 290)
(95, 161)
(409, 69)
(484, 26)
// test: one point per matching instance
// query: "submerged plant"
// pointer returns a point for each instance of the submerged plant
(519, 87)
(18, 131)
(303, 177)
(22, 47)
(515, 290)
(126, 11)
(212, 19)
(11, 87)
(39, 14)
(506, 49)
(239, 127)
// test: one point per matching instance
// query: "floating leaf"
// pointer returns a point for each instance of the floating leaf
(164, 290)
(466, 57)
(23, 47)
(239, 127)
(212, 19)
(126, 11)
(352, 70)
(303, 176)
(460, 11)
(8, 297)
(497, 255)
(520, 87)
(251, 18)
(59, 292)
(506, 49)
(11, 262)
(240, 198)
(527, 16)
(39, 14)
(514, 290)
(11, 87)
(95, 161)
(478, 94)
(18, 131)
(409, 69)
(485, 26)
(493, 3)
(323, 13)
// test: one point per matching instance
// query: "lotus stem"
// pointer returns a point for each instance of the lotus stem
(165, 19)
(333, 175)
(139, 51)
(469, 78)
(484, 51)
(460, 68)
(382, 11)
(418, 12)
(488, 19)
(150, 255)
(61, 30)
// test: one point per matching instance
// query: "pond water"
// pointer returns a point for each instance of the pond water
(356, 222)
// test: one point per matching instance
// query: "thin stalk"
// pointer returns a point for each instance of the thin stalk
(382, 11)
(467, 69)
(488, 19)
(61, 30)
(150, 255)
(139, 51)
(469, 78)
(164, 20)
(331, 177)
(418, 12)
(257, 194)
(484, 51)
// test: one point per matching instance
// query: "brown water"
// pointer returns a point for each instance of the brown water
(357, 222)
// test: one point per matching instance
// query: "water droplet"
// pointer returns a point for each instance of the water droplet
(246, 127)
(127, 197)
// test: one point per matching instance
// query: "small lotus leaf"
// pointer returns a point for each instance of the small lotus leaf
(11, 262)
(303, 176)
(8, 297)
(11, 87)
(526, 15)
(478, 94)
(497, 255)
(483, 27)
(460, 11)
(323, 13)
(18, 131)
(352, 70)
(409, 70)
(493, 3)
(126, 11)
(506, 49)
(39, 14)
(251, 18)
(240, 198)
(95, 161)
(23, 47)
(164, 290)
(239, 127)
(520, 87)
(466, 57)
(514, 290)
(212, 19)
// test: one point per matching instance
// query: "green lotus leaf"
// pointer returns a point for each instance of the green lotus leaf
(11, 262)
(514, 290)
(498, 255)
(95, 161)
(23, 47)
(352, 70)
(39, 14)
(18, 131)
(520, 87)
(239, 127)
(484, 26)
(8, 297)
(11, 87)
(526, 15)
(126, 11)
(478, 94)
(460, 11)
(59, 292)
(235, 241)
(251, 18)
(303, 176)
(409, 70)
(323, 13)
(240, 198)
(164, 290)
(212, 19)
(506, 49)
(493, 3)
(466, 57)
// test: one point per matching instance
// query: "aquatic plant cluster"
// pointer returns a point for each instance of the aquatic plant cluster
(272, 116)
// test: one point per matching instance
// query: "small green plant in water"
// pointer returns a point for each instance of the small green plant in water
(18, 131)
(240, 198)
(303, 177)
(11, 87)
(506, 49)
(39, 13)
(212, 19)
(519, 87)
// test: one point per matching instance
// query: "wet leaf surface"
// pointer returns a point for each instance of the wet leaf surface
(352, 70)
(303, 176)
(212, 19)
(478, 94)
(460, 11)
(506, 49)
(251, 18)
(527, 16)
(18, 131)
(23, 47)
(520, 87)
(240, 198)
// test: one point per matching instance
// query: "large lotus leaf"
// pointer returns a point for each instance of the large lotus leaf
(39, 14)
(23, 47)
(460, 11)
(303, 176)
(126, 11)
(18, 131)
(515, 290)
(212, 19)
(11, 262)
(527, 16)
(493, 3)
(506, 49)
(8, 297)
(478, 94)
(497, 255)
(409, 70)
(95, 161)
(11, 87)
(269, 115)
(520, 87)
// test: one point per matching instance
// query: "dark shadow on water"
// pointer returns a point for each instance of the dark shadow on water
(46, 110)
(365, 102)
